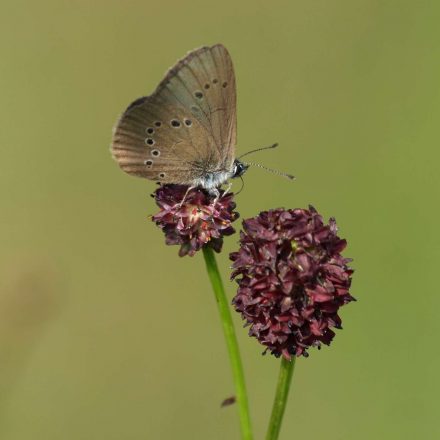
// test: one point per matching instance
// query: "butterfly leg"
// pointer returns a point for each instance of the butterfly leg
(216, 193)
(184, 197)
(227, 189)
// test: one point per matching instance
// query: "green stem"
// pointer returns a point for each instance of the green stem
(279, 404)
(231, 342)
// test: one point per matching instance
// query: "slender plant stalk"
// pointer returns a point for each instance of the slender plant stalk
(231, 342)
(279, 404)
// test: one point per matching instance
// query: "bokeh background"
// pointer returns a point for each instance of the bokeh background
(105, 333)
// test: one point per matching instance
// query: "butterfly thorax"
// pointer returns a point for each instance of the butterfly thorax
(209, 174)
(210, 179)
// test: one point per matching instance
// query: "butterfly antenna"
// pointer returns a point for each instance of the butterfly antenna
(271, 170)
(259, 149)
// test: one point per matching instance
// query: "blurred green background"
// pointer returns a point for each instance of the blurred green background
(104, 332)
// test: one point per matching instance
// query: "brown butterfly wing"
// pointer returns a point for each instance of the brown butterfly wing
(147, 144)
(187, 126)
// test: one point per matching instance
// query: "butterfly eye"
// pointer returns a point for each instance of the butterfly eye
(149, 141)
(158, 123)
(155, 153)
(150, 130)
(175, 123)
(188, 122)
(198, 95)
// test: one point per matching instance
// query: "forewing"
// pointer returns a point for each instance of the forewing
(203, 83)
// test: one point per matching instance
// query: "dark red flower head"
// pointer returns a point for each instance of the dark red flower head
(201, 220)
(292, 279)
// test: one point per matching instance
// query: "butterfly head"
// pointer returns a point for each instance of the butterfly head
(239, 168)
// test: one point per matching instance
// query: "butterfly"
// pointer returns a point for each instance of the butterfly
(184, 132)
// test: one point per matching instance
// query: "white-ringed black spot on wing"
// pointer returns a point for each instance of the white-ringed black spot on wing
(150, 130)
(155, 153)
(175, 123)
(224, 84)
(162, 176)
(148, 163)
(198, 94)
(207, 86)
(149, 141)
(188, 122)
(215, 81)
(158, 124)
